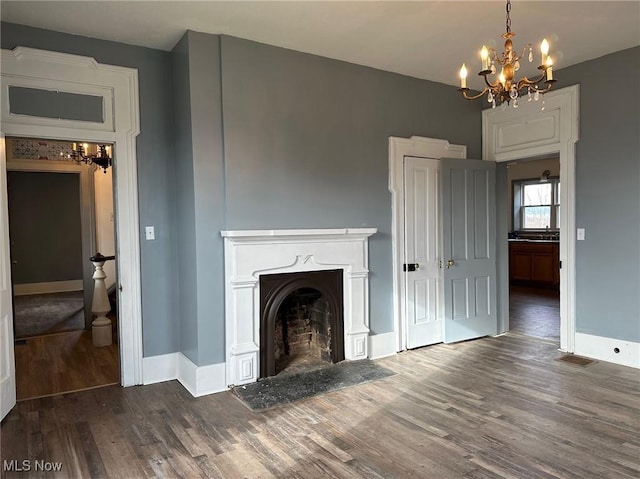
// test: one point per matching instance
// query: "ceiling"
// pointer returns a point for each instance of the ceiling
(423, 39)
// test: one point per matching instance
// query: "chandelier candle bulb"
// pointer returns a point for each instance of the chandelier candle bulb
(549, 69)
(544, 49)
(484, 55)
(463, 76)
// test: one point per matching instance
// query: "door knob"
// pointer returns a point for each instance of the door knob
(450, 263)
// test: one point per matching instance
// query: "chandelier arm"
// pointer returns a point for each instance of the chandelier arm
(524, 82)
(492, 86)
(472, 97)
(524, 50)
(548, 87)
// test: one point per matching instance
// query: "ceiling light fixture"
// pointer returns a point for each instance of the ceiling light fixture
(506, 89)
(544, 177)
(80, 154)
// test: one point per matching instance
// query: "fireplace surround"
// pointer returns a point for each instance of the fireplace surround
(250, 254)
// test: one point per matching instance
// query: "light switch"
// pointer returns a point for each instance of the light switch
(150, 232)
(580, 234)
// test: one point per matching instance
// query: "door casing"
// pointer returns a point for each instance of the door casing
(118, 87)
(530, 132)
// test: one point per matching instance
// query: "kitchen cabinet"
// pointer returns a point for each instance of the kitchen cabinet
(534, 263)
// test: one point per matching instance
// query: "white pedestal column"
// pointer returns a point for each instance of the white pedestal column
(100, 307)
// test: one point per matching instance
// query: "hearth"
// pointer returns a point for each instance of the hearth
(301, 320)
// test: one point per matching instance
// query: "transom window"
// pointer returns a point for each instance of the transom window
(536, 205)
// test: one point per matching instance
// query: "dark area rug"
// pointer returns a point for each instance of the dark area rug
(37, 314)
(286, 388)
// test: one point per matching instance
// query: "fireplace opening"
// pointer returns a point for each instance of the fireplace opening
(302, 338)
(302, 323)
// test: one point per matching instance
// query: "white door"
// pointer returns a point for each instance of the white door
(7, 365)
(422, 251)
(469, 248)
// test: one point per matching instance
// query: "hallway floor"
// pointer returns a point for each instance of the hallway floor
(63, 362)
(535, 312)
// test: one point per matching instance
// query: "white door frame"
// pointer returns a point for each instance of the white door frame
(118, 87)
(529, 132)
(398, 149)
(7, 358)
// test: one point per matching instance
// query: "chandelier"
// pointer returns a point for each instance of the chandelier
(80, 154)
(506, 88)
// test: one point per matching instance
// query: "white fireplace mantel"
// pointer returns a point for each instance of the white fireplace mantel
(252, 253)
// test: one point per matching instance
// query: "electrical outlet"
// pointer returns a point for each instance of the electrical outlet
(150, 233)
(580, 234)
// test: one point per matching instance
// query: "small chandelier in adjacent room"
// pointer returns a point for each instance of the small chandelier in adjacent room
(80, 153)
(506, 88)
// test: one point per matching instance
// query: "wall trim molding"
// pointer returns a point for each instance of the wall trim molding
(399, 148)
(47, 287)
(529, 132)
(382, 345)
(198, 380)
(118, 86)
(601, 348)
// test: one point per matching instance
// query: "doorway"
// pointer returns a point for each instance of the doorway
(533, 206)
(60, 214)
(113, 93)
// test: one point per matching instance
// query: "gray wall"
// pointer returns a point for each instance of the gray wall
(306, 144)
(608, 194)
(44, 221)
(186, 223)
(155, 169)
(266, 138)
(200, 194)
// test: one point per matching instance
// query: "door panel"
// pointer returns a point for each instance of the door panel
(7, 365)
(422, 286)
(468, 232)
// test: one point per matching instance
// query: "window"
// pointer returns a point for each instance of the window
(536, 205)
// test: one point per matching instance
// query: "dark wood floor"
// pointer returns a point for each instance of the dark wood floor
(63, 362)
(499, 407)
(535, 312)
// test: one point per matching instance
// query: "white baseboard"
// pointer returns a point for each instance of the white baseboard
(382, 345)
(201, 380)
(604, 349)
(157, 369)
(48, 287)
(198, 380)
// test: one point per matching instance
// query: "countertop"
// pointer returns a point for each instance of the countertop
(525, 240)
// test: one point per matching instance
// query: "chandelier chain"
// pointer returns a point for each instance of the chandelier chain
(508, 20)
